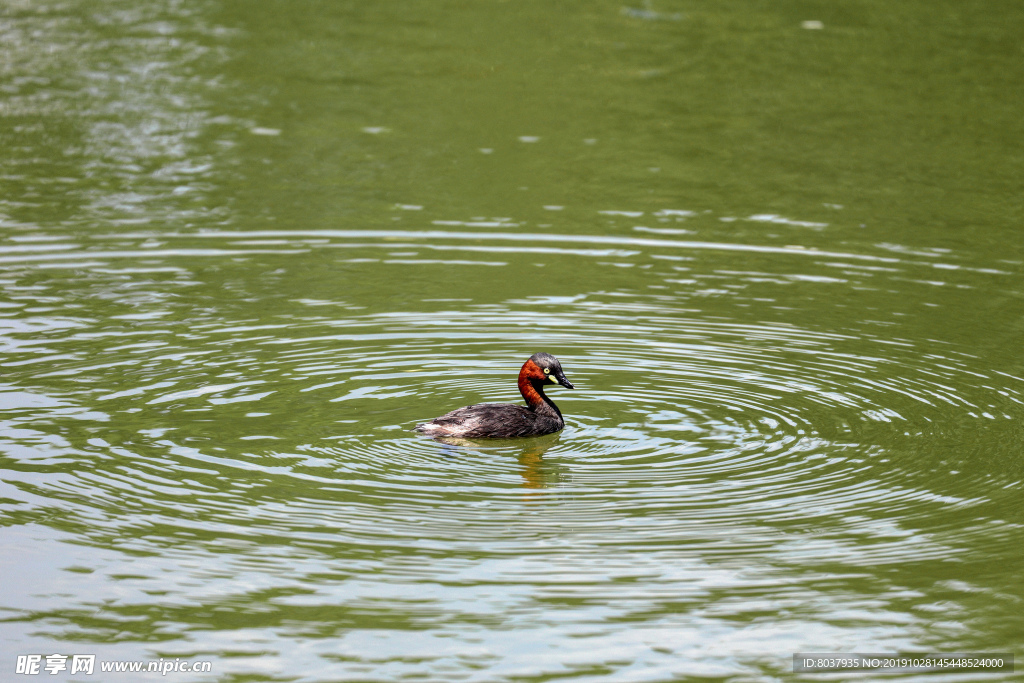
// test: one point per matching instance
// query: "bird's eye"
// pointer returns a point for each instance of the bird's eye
(547, 371)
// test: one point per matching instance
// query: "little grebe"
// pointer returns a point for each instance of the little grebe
(505, 420)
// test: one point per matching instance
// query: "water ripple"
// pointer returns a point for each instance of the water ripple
(202, 408)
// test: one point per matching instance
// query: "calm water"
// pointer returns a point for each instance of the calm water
(245, 247)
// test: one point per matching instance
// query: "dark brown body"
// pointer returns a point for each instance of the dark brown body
(504, 420)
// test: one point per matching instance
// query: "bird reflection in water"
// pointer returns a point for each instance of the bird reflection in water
(536, 473)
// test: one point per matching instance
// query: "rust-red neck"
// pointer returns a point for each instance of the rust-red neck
(531, 382)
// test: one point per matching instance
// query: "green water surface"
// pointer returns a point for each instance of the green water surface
(246, 247)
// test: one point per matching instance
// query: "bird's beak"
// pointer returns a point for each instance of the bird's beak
(559, 378)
